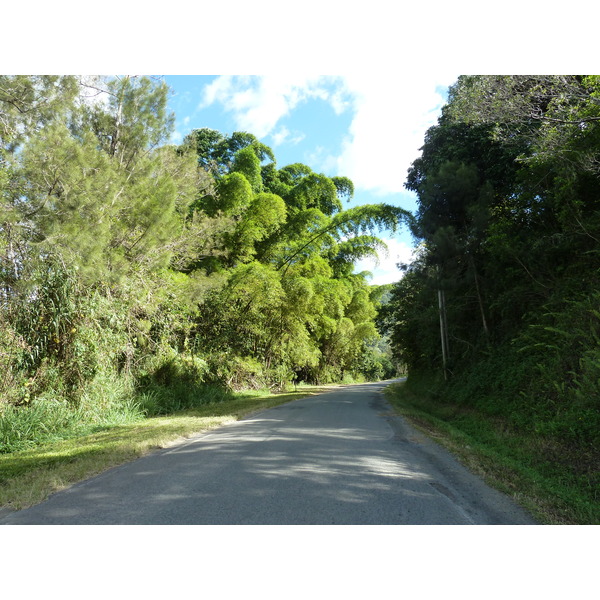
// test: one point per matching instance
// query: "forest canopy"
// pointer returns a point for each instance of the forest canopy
(127, 258)
(502, 306)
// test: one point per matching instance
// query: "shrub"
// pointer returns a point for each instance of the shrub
(237, 372)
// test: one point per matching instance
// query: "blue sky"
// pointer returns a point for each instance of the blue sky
(365, 127)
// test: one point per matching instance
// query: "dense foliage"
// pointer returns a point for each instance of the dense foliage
(138, 277)
(131, 265)
(508, 273)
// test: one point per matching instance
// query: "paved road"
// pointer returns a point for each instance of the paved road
(337, 458)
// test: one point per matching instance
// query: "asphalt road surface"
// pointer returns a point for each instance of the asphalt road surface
(337, 458)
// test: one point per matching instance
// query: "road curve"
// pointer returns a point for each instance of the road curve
(337, 458)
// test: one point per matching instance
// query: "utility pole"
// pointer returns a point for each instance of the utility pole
(444, 331)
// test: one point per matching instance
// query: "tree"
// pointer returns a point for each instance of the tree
(247, 163)
(94, 206)
(28, 103)
(216, 152)
(263, 217)
(553, 114)
(126, 259)
(294, 238)
(555, 120)
(104, 192)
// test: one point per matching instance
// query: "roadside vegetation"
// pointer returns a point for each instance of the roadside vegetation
(139, 279)
(144, 283)
(31, 472)
(534, 470)
(498, 320)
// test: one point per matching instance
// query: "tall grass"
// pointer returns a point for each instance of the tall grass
(110, 400)
(51, 417)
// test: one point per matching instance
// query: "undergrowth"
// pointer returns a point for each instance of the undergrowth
(111, 402)
(551, 475)
(534, 400)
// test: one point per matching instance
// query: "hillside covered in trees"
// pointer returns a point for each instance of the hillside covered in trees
(132, 269)
(500, 313)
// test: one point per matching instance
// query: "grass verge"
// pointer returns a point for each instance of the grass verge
(29, 476)
(515, 463)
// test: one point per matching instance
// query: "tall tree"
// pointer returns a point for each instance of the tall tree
(293, 237)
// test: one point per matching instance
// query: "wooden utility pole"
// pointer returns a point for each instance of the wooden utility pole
(444, 331)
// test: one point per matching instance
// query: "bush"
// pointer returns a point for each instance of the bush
(237, 372)
(12, 379)
(546, 381)
(171, 368)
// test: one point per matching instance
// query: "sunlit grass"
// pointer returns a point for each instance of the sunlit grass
(29, 476)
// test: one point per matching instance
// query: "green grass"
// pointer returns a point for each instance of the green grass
(29, 476)
(520, 464)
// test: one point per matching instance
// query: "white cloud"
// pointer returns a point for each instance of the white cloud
(321, 161)
(217, 90)
(280, 136)
(258, 103)
(284, 136)
(387, 270)
(392, 112)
